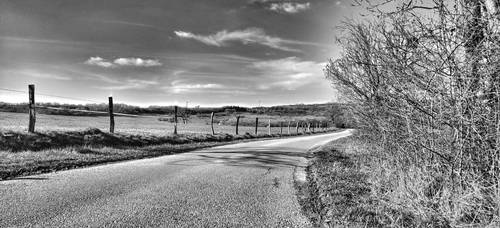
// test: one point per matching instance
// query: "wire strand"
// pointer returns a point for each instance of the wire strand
(54, 96)
(97, 112)
(13, 90)
(79, 110)
(69, 98)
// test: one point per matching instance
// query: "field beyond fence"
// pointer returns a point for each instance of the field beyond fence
(18, 122)
(234, 120)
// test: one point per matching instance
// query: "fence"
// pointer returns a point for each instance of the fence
(150, 123)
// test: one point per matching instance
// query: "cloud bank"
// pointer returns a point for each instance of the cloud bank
(136, 62)
(283, 7)
(98, 61)
(289, 7)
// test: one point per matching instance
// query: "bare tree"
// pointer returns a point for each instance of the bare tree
(424, 78)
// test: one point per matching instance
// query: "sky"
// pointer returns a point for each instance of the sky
(159, 52)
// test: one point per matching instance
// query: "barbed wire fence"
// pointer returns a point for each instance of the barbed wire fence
(292, 127)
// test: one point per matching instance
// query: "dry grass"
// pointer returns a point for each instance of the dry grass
(18, 141)
(339, 190)
(223, 123)
(355, 185)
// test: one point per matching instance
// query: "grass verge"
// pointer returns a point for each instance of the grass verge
(355, 182)
(338, 190)
(25, 154)
(349, 185)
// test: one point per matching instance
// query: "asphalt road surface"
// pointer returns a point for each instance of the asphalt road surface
(240, 185)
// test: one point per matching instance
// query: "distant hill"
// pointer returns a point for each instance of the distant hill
(297, 109)
(69, 109)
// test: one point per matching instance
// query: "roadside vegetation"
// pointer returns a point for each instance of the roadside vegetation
(423, 80)
(348, 186)
(338, 187)
(23, 153)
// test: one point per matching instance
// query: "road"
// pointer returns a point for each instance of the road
(240, 185)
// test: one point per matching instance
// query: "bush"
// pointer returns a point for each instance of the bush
(425, 92)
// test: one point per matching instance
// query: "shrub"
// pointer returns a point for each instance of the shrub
(423, 80)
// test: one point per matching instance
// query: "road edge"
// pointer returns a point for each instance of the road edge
(305, 183)
(185, 148)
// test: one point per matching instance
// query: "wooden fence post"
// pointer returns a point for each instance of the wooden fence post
(281, 128)
(212, 123)
(269, 127)
(256, 124)
(237, 123)
(297, 128)
(175, 120)
(31, 106)
(308, 127)
(111, 115)
(289, 127)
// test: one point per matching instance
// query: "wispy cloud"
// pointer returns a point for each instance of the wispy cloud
(179, 86)
(120, 22)
(246, 36)
(38, 74)
(289, 73)
(289, 7)
(131, 84)
(41, 40)
(137, 62)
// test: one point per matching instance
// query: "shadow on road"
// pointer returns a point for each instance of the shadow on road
(262, 157)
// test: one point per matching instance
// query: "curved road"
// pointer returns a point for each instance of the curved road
(240, 185)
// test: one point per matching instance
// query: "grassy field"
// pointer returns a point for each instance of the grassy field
(223, 123)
